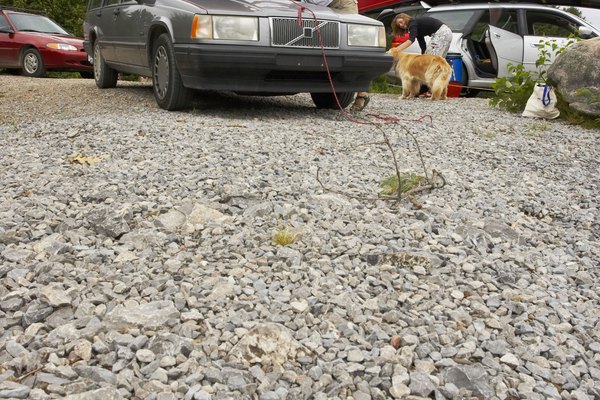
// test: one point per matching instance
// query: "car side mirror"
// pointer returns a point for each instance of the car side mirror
(585, 32)
(7, 29)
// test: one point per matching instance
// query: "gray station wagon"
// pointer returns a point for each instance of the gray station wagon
(259, 47)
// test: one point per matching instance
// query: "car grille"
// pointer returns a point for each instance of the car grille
(286, 32)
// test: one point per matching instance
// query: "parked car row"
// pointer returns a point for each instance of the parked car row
(33, 44)
(274, 47)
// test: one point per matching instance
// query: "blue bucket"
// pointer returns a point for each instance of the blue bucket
(455, 60)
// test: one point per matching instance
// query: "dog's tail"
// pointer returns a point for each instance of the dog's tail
(439, 76)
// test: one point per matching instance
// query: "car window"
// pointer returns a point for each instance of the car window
(36, 23)
(455, 19)
(4, 23)
(111, 2)
(501, 18)
(541, 23)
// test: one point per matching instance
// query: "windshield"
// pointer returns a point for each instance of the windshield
(36, 23)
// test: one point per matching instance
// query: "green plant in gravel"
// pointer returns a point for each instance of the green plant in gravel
(285, 236)
(535, 128)
(483, 134)
(513, 91)
(409, 181)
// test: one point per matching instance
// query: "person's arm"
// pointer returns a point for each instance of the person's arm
(404, 45)
(422, 44)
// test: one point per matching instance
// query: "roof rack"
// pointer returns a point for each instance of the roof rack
(24, 10)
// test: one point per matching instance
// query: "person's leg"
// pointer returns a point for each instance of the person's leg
(440, 42)
(360, 102)
(439, 46)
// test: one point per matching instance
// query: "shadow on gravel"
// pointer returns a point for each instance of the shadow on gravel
(229, 104)
(211, 101)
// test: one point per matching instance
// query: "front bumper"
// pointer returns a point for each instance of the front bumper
(278, 70)
(58, 60)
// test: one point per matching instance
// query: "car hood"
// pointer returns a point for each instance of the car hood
(69, 40)
(56, 38)
(50, 37)
(270, 8)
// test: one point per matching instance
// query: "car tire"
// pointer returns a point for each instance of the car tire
(86, 75)
(105, 76)
(32, 63)
(327, 100)
(169, 92)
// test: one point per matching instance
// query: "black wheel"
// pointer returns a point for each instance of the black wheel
(32, 63)
(167, 84)
(105, 76)
(86, 75)
(327, 100)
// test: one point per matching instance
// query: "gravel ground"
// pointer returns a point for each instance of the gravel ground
(138, 257)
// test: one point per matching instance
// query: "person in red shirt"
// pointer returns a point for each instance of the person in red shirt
(399, 39)
(418, 28)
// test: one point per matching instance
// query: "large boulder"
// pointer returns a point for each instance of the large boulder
(576, 76)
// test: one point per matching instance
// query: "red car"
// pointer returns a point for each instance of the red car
(35, 44)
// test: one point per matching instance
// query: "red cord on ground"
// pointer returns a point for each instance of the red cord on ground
(348, 116)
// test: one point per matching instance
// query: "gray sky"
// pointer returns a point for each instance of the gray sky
(591, 15)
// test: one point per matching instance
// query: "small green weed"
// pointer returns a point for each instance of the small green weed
(285, 236)
(484, 134)
(390, 185)
(535, 128)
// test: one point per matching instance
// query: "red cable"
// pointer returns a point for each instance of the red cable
(348, 116)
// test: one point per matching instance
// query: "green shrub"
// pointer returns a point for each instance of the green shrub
(513, 91)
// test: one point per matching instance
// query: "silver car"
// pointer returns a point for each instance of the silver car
(261, 47)
(491, 36)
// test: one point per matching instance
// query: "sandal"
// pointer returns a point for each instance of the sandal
(356, 107)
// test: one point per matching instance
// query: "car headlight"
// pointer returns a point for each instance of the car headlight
(61, 46)
(224, 27)
(366, 35)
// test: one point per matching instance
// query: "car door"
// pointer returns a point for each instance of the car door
(9, 50)
(507, 46)
(130, 39)
(543, 26)
(107, 17)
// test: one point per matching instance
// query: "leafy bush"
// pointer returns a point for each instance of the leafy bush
(513, 91)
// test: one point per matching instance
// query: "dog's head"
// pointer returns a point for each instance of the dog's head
(394, 52)
(401, 55)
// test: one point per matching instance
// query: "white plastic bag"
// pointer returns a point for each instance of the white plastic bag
(542, 103)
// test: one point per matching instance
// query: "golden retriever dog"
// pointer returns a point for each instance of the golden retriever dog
(415, 69)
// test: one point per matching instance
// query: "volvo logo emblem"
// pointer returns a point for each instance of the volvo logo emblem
(308, 33)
